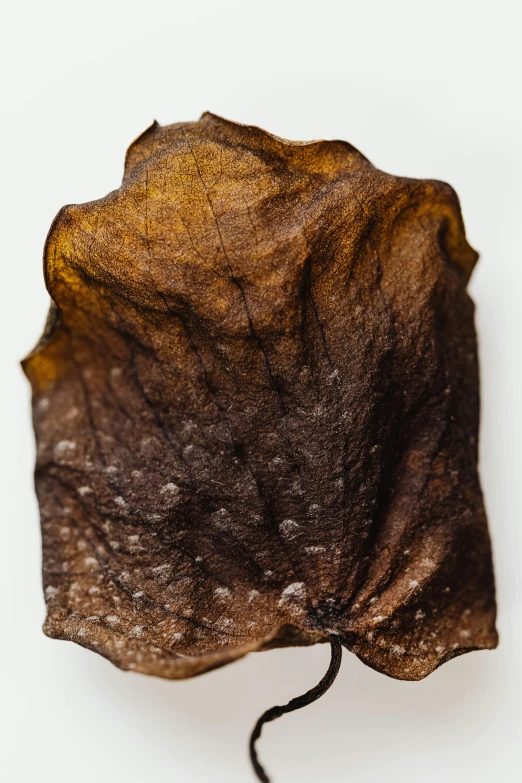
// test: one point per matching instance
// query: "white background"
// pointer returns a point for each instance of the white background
(424, 89)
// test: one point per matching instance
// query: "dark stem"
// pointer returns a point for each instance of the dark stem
(295, 704)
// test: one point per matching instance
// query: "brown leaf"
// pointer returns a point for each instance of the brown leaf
(256, 408)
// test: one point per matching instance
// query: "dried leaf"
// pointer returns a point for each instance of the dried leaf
(256, 407)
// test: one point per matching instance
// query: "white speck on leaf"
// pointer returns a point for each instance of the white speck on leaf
(295, 589)
(64, 446)
(287, 525)
(170, 488)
